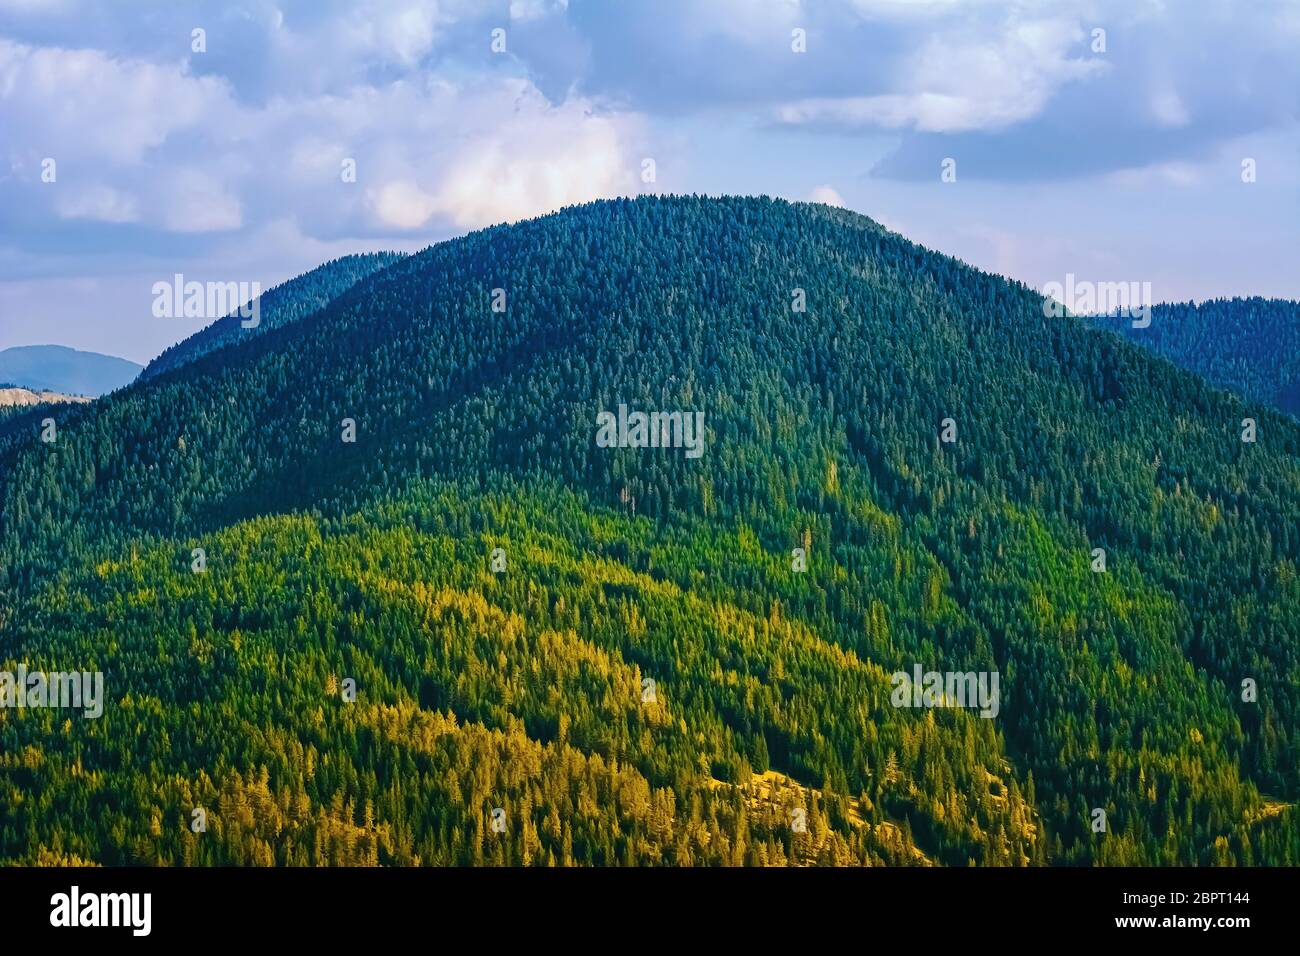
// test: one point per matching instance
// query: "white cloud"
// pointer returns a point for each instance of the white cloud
(192, 200)
(1175, 173)
(33, 6)
(57, 102)
(904, 9)
(827, 195)
(436, 156)
(1167, 108)
(525, 10)
(177, 152)
(403, 205)
(754, 22)
(955, 82)
(928, 112)
(98, 202)
(893, 225)
(541, 160)
(329, 51)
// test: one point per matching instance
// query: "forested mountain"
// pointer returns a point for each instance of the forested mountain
(57, 368)
(279, 306)
(1250, 346)
(830, 359)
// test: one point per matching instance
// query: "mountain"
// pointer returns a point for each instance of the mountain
(474, 616)
(279, 306)
(1248, 346)
(56, 368)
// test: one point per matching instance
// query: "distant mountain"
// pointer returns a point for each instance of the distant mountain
(57, 368)
(361, 580)
(1248, 346)
(279, 306)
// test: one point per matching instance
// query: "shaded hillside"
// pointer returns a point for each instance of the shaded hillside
(279, 306)
(1249, 346)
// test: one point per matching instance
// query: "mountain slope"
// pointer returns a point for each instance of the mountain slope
(475, 429)
(56, 368)
(19, 404)
(1248, 346)
(279, 306)
(14, 396)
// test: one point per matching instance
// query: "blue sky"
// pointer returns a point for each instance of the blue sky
(1121, 163)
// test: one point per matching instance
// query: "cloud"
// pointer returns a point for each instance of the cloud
(147, 143)
(321, 48)
(98, 202)
(1148, 99)
(193, 200)
(403, 205)
(536, 9)
(954, 82)
(1015, 89)
(56, 101)
(1170, 173)
(905, 9)
(827, 195)
(1008, 74)
(540, 160)
(931, 112)
(1168, 109)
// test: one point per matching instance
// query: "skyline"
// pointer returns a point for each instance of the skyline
(1118, 164)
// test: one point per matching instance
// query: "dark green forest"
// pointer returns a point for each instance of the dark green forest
(516, 679)
(282, 305)
(1248, 346)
